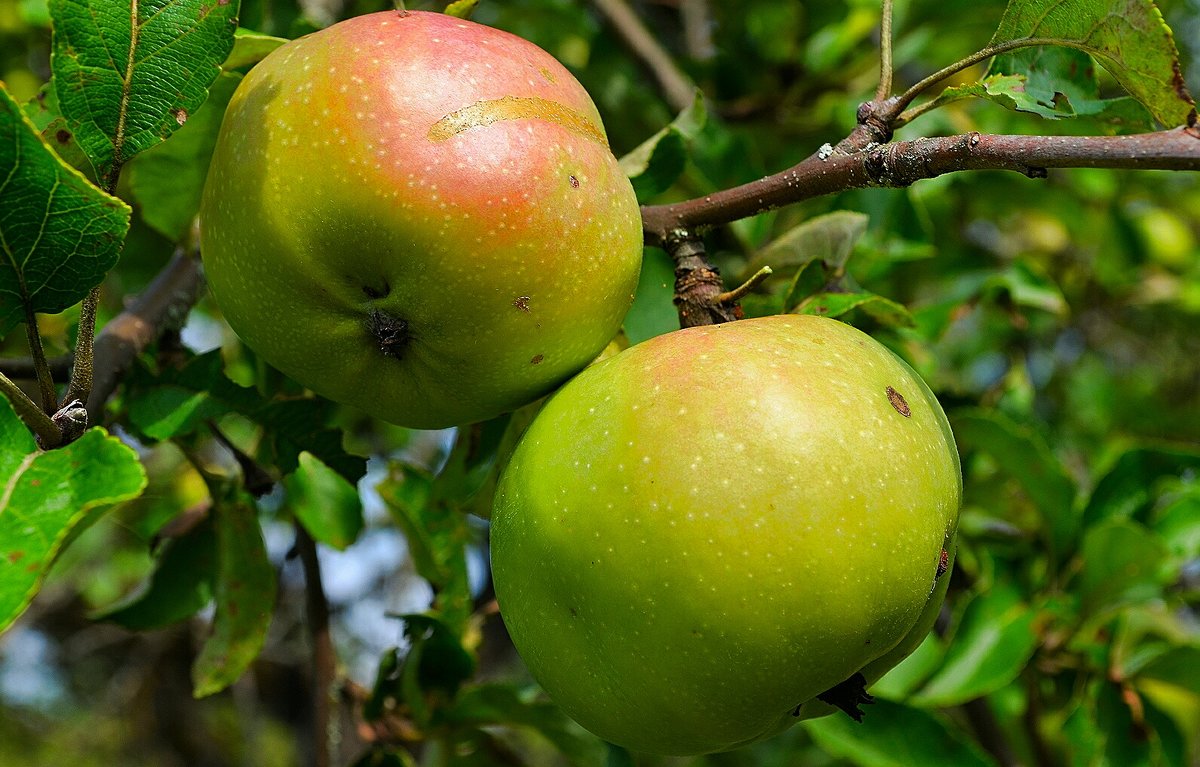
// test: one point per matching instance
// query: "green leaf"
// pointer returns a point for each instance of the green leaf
(461, 9)
(182, 583)
(1127, 37)
(1015, 92)
(444, 663)
(1025, 457)
(325, 502)
(249, 48)
(895, 735)
(993, 642)
(1178, 523)
(59, 235)
(1178, 667)
(437, 535)
(42, 110)
(178, 400)
(502, 705)
(1128, 488)
(1061, 82)
(47, 496)
(245, 593)
(1122, 564)
(167, 179)
(128, 75)
(1024, 287)
(658, 161)
(882, 309)
(829, 239)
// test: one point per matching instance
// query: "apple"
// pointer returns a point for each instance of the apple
(419, 216)
(703, 534)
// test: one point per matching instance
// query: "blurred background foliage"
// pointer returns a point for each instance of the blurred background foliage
(1055, 318)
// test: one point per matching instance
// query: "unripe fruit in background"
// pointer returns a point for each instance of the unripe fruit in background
(419, 216)
(720, 524)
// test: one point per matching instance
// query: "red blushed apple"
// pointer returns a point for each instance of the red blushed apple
(419, 216)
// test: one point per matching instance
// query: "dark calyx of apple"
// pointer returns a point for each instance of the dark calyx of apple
(847, 695)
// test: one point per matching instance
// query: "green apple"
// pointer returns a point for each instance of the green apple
(718, 525)
(419, 216)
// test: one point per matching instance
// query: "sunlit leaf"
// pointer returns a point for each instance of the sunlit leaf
(992, 644)
(127, 75)
(325, 502)
(46, 496)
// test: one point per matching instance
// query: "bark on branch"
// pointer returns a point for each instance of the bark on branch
(165, 302)
(903, 163)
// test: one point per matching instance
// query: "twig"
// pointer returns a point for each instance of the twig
(697, 29)
(24, 368)
(81, 369)
(676, 86)
(41, 368)
(49, 435)
(324, 660)
(735, 295)
(164, 303)
(884, 88)
(903, 163)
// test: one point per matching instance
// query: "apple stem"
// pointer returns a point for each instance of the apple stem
(699, 291)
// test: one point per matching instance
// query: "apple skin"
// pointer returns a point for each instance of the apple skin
(697, 536)
(419, 216)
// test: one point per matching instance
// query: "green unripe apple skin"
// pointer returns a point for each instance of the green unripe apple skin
(420, 168)
(702, 533)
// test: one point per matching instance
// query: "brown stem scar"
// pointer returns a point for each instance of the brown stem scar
(391, 333)
(943, 563)
(898, 402)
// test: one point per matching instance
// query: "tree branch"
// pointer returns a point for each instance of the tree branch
(324, 660)
(903, 163)
(678, 88)
(697, 29)
(165, 302)
(25, 368)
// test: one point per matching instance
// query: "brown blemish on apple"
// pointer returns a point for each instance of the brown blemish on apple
(390, 333)
(574, 182)
(537, 359)
(898, 402)
(488, 111)
(943, 563)
(522, 303)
